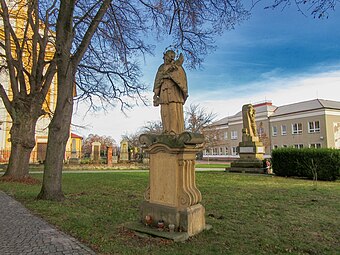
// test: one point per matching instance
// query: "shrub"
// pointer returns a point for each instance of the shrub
(302, 162)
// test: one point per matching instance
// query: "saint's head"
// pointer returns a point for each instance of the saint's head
(169, 56)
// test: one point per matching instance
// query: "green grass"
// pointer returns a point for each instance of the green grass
(250, 214)
(212, 165)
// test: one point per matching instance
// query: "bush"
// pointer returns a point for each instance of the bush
(302, 162)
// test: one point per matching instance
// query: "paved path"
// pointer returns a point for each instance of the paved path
(22, 233)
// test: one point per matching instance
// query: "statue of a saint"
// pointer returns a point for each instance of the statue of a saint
(171, 91)
(249, 125)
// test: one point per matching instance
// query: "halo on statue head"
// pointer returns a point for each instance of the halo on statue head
(173, 49)
(178, 57)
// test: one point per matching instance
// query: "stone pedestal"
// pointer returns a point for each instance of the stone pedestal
(172, 195)
(114, 159)
(124, 151)
(109, 155)
(74, 161)
(95, 154)
(251, 152)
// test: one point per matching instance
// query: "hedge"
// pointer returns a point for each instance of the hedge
(301, 162)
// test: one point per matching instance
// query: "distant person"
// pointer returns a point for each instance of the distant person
(171, 92)
(269, 167)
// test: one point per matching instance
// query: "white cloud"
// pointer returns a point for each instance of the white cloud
(114, 122)
(281, 91)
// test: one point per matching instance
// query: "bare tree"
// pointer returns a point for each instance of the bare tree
(101, 39)
(152, 127)
(27, 58)
(105, 142)
(317, 8)
(197, 118)
(132, 139)
(263, 137)
(212, 137)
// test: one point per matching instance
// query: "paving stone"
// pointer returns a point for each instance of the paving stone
(22, 233)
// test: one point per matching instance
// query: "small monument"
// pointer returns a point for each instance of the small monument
(172, 200)
(124, 151)
(251, 150)
(109, 155)
(95, 153)
(114, 156)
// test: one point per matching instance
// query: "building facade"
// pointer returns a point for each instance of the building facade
(18, 18)
(309, 124)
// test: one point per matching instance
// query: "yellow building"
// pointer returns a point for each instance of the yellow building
(18, 19)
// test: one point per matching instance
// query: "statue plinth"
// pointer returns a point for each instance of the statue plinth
(172, 196)
(251, 152)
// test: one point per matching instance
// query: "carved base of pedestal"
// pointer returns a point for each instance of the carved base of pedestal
(190, 219)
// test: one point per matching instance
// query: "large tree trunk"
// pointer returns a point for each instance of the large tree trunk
(59, 131)
(59, 128)
(22, 143)
(67, 63)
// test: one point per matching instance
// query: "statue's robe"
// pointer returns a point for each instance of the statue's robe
(172, 91)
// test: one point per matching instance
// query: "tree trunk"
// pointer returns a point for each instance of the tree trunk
(22, 143)
(59, 131)
(18, 166)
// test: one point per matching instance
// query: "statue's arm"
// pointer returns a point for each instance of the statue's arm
(157, 86)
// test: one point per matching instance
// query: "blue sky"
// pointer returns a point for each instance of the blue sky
(280, 55)
(272, 43)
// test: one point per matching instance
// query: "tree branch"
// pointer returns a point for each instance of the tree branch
(89, 33)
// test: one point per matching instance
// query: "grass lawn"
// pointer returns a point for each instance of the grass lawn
(250, 214)
(212, 165)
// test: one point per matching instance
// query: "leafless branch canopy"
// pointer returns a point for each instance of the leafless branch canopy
(110, 68)
(26, 55)
(197, 118)
(193, 24)
(317, 8)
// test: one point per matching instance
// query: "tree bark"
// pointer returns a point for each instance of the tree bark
(59, 131)
(67, 63)
(18, 166)
(59, 128)
(22, 142)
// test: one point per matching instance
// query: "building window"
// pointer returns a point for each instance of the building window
(274, 131)
(275, 146)
(207, 152)
(225, 135)
(74, 146)
(315, 145)
(284, 146)
(297, 128)
(221, 151)
(226, 151)
(298, 146)
(233, 135)
(215, 151)
(283, 130)
(234, 150)
(313, 127)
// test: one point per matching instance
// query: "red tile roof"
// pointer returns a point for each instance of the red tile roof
(73, 135)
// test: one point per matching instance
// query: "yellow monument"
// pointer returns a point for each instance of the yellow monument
(172, 199)
(251, 150)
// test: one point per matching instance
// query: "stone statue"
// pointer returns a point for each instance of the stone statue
(171, 92)
(249, 125)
